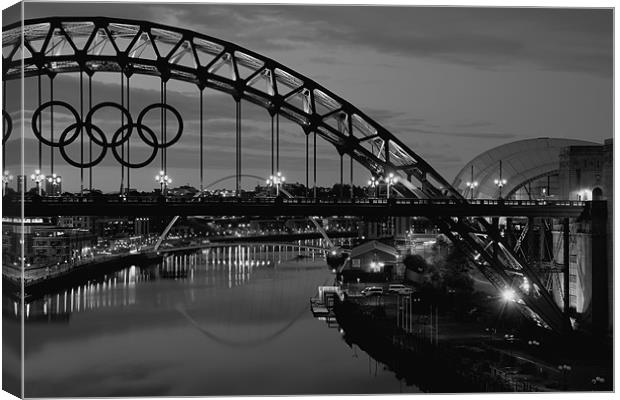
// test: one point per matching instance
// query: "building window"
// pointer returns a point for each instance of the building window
(572, 278)
(573, 258)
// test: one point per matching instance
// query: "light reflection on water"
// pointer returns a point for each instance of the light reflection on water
(222, 321)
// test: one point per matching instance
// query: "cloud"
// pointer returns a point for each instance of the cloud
(577, 40)
(487, 38)
(464, 134)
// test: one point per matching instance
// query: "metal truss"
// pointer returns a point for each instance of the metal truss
(524, 184)
(90, 45)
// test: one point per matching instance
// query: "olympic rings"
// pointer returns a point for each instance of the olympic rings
(126, 114)
(127, 163)
(119, 137)
(7, 126)
(104, 150)
(176, 114)
(77, 125)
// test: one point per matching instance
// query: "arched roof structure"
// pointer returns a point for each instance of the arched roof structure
(522, 162)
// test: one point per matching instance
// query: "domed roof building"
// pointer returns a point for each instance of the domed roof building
(529, 167)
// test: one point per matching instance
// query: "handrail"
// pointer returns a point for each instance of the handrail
(115, 199)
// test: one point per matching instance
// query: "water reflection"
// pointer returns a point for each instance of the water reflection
(228, 320)
(118, 289)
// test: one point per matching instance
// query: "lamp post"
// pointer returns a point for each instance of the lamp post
(472, 184)
(164, 180)
(37, 178)
(390, 180)
(491, 331)
(565, 369)
(6, 179)
(598, 380)
(373, 183)
(276, 180)
(55, 181)
(510, 338)
(533, 343)
(500, 182)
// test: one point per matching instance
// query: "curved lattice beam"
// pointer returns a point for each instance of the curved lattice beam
(90, 45)
(522, 184)
(74, 44)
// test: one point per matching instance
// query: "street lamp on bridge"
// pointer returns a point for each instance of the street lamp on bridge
(565, 370)
(500, 182)
(6, 179)
(373, 183)
(390, 180)
(164, 180)
(276, 180)
(37, 178)
(54, 180)
(472, 184)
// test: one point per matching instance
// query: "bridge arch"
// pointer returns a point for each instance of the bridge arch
(229, 177)
(91, 45)
(128, 47)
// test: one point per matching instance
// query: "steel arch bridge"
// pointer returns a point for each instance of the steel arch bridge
(87, 46)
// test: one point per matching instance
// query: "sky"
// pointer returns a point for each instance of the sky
(449, 82)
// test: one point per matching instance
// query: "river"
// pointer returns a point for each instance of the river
(223, 321)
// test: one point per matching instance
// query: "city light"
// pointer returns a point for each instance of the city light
(376, 266)
(54, 180)
(373, 183)
(472, 185)
(37, 177)
(390, 180)
(525, 286)
(509, 295)
(163, 180)
(276, 180)
(501, 182)
(6, 179)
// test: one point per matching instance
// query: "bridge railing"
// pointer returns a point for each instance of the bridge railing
(116, 199)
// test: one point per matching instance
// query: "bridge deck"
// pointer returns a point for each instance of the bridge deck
(148, 206)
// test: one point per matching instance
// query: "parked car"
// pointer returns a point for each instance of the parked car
(372, 291)
(400, 289)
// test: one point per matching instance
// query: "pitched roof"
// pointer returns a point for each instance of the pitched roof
(372, 246)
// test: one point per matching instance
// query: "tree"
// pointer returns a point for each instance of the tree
(457, 272)
(415, 263)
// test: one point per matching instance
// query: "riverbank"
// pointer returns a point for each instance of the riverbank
(449, 356)
(38, 281)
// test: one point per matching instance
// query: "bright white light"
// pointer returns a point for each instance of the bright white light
(472, 185)
(509, 295)
(525, 285)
